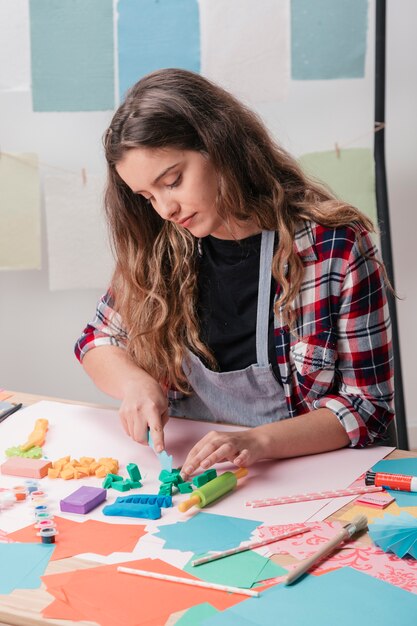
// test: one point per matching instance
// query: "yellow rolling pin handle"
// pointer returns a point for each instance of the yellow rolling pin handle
(37, 436)
(213, 490)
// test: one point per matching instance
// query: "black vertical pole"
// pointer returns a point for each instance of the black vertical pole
(383, 213)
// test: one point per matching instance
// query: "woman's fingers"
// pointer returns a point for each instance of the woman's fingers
(213, 448)
(139, 417)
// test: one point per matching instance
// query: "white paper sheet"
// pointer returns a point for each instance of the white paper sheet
(14, 45)
(78, 249)
(245, 47)
(86, 431)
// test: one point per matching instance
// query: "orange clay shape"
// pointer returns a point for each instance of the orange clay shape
(37, 436)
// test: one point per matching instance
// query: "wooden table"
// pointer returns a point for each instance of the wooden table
(23, 606)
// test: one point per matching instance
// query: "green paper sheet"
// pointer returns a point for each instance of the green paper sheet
(349, 174)
(239, 570)
(195, 615)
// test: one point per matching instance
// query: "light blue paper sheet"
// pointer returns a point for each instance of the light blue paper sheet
(22, 565)
(342, 597)
(405, 467)
(72, 55)
(154, 34)
(206, 531)
(328, 39)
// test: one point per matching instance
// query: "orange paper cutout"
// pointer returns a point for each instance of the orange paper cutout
(104, 595)
(89, 536)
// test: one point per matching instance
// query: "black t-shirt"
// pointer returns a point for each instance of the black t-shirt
(228, 278)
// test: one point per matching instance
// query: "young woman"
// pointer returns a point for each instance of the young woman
(243, 291)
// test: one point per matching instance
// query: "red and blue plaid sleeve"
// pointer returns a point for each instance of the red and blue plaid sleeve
(105, 329)
(364, 399)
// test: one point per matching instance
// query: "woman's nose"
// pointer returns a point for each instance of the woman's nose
(167, 207)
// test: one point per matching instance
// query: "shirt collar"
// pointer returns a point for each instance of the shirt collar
(304, 241)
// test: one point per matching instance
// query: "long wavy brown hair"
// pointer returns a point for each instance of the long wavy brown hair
(155, 280)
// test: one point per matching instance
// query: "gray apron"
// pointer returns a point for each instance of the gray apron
(248, 397)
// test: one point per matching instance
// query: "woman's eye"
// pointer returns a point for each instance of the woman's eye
(175, 183)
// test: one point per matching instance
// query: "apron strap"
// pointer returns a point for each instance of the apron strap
(264, 294)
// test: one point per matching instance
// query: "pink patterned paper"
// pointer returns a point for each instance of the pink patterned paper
(302, 545)
(365, 558)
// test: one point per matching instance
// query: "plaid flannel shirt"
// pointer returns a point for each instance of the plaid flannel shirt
(339, 355)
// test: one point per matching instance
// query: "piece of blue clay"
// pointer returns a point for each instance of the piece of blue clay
(145, 498)
(123, 509)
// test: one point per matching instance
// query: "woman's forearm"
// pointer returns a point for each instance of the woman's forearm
(112, 371)
(311, 433)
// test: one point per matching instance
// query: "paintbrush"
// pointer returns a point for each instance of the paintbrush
(358, 523)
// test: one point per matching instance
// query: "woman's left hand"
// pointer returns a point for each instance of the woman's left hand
(242, 448)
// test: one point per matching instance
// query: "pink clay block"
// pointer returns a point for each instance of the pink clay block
(30, 468)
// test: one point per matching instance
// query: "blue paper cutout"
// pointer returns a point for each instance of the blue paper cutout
(26, 563)
(395, 533)
(164, 458)
(154, 34)
(405, 467)
(206, 531)
(343, 597)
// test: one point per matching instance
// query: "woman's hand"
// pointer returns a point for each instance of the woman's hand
(242, 448)
(145, 406)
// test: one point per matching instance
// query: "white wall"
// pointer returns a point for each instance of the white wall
(38, 327)
(401, 160)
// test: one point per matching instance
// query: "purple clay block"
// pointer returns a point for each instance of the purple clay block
(83, 500)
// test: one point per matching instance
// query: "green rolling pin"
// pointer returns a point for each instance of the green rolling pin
(213, 490)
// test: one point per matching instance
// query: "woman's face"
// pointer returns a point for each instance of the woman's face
(181, 186)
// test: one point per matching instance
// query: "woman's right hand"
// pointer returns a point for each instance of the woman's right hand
(144, 406)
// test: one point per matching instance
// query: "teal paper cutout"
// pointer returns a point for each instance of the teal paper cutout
(207, 532)
(396, 533)
(328, 39)
(72, 55)
(164, 458)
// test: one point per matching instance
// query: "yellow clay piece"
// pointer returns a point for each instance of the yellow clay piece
(86, 460)
(37, 436)
(67, 474)
(84, 467)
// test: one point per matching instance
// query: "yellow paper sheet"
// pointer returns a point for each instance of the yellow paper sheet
(20, 238)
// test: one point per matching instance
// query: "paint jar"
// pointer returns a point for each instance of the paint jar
(43, 515)
(41, 508)
(19, 493)
(31, 486)
(45, 523)
(47, 535)
(36, 495)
